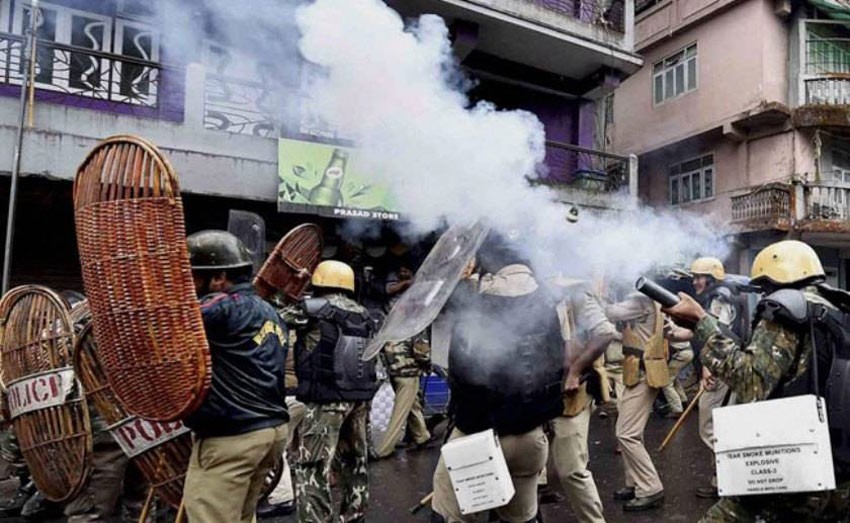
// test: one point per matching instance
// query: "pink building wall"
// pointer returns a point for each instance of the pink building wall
(741, 62)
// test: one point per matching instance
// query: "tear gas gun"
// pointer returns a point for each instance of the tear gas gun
(656, 292)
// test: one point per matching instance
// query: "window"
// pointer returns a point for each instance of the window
(692, 181)
(840, 167)
(675, 75)
(85, 53)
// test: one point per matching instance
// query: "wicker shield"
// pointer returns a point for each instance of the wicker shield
(160, 450)
(291, 264)
(48, 413)
(132, 244)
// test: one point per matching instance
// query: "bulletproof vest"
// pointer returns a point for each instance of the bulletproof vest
(506, 363)
(828, 327)
(333, 370)
(654, 346)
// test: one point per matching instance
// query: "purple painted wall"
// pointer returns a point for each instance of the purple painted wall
(171, 89)
(565, 120)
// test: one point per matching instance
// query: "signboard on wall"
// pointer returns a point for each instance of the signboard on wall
(317, 178)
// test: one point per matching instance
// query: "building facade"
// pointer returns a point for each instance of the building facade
(740, 114)
(105, 67)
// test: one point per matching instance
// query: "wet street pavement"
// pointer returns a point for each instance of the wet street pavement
(400, 482)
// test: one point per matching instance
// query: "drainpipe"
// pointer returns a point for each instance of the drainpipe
(27, 54)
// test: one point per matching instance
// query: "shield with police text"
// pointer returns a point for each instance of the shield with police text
(48, 412)
(434, 283)
(290, 266)
(161, 450)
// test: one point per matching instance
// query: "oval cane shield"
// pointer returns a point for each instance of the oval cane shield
(135, 264)
(48, 412)
(160, 450)
(291, 264)
(433, 285)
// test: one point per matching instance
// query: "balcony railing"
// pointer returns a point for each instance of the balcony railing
(828, 89)
(827, 202)
(769, 203)
(607, 13)
(813, 206)
(588, 169)
(238, 106)
(827, 67)
(82, 72)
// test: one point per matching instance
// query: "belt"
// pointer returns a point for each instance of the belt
(629, 351)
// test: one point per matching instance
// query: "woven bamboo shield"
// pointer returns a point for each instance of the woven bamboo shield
(291, 264)
(160, 450)
(48, 412)
(132, 244)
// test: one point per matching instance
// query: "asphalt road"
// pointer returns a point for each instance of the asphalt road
(399, 482)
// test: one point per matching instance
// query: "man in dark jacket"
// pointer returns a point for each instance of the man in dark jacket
(240, 429)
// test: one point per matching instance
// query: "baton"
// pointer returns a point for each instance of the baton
(143, 517)
(422, 502)
(681, 419)
(656, 292)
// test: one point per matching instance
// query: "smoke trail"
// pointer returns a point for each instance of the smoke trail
(394, 90)
(397, 91)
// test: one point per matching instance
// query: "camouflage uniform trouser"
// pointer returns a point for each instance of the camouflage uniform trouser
(790, 508)
(10, 452)
(333, 432)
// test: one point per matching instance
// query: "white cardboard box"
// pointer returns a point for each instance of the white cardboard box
(478, 471)
(773, 447)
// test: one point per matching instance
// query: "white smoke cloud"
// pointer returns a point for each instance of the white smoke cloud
(398, 92)
(393, 89)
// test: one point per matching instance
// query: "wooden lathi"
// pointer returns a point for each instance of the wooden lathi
(289, 267)
(135, 265)
(161, 450)
(49, 414)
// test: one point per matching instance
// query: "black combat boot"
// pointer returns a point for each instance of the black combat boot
(10, 508)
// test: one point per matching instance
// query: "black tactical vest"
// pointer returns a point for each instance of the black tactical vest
(506, 363)
(829, 328)
(333, 370)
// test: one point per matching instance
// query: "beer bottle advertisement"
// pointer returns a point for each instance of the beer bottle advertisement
(323, 179)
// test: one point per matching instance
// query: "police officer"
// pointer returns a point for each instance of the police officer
(336, 388)
(708, 277)
(776, 363)
(404, 365)
(645, 372)
(588, 333)
(240, 429)
(505, 373)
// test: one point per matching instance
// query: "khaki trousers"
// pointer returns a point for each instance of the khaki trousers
(710, 400)
(674, 393)
(407, 408)
(569, 453)
(284, 492)
(226, 475)
(526, 456)
(634, 411)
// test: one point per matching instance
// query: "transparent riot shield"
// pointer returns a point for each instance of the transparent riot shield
(251, 229)
(433, 285)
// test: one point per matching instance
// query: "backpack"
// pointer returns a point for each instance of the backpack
(828, 328)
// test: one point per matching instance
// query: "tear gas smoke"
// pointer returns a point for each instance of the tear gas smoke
(398, 93)
(393, 89)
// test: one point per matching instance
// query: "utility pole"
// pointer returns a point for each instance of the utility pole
(28, 57)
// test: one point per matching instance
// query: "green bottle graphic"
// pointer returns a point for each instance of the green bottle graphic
(329, 192)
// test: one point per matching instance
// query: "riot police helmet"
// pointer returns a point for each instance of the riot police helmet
(332, 274)
(214, 250)
(787, 263)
